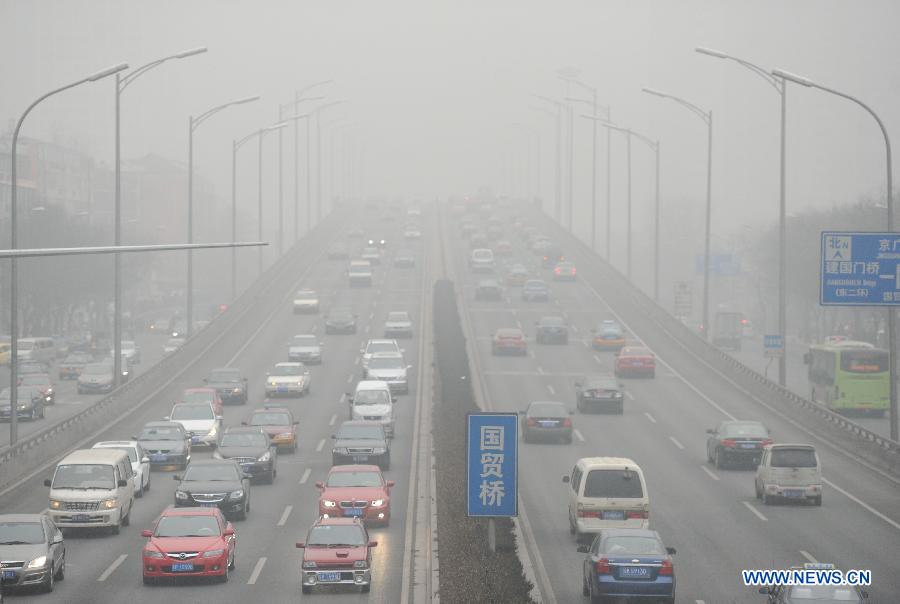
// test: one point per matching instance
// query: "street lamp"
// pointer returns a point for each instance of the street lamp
(608, 110)
(315, 112)
(14, 242)
(122, 83)
(194, 123)
(537, 141)
(706, 116)
(559, 114)
(778, 84)
(892, 344)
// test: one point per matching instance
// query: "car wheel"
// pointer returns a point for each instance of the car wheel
(585, 590)
(717, 459)
(595, 598)
(387, 463)
(140, 492)
(271, 476)
(568, 439)
(579, 405)
(224, 578)
(126, 520)
(47, 586)
(306, 589)
(233, 560)
(571, 525)
(149, 581)
(147, 487)
(61, 571)
(115, 529)
(817, 501)
(766, 498)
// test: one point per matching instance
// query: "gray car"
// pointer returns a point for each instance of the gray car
(546, 420)
(389, 367)
(166, 444)
(252, 449)
(306, 349)
(96, 378)
(398, 325)
(361, 442)
(32, 551)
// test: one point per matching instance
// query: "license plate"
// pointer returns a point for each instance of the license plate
(634, 571)
(613, 515)
(353, 512)
(282, 389)
(548, 423)
(794, 493)
(195, 439)
(81, 518)
(636, 363)
(748, 446)
(360, 458)
(328, 577)
(9, 574)
(157, 457)
(246, 467)
(208, 505)
(182, 567)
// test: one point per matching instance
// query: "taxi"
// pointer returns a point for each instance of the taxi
(608, 336)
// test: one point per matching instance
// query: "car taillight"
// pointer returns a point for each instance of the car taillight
(588, 513)
(557, 271)
(567, 423)
(637, 515)
(601, 566)
(730, 443)
(531, 421)
(573, 270)
(667, 569)
(766, 442)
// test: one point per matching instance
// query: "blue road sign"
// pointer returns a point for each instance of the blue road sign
(860, 269)
(492, 465)
(773, 345)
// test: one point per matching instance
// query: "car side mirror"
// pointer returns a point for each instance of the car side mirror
(565, 479)
(373, 544)
(764, 590)
(333, 437)
(584, 549)
(409, 366)
(121, 483)
(299, 545)
(47, 482)
(57, 539)
(176, 477)
(229, 530)
(133, 437)
(320, 484)
(146, 533)
(247, 476)
(670, 551)
(390, 483)
(243, 423)
(807, 358)
(578, 384)
(205, 381)
(145, 459)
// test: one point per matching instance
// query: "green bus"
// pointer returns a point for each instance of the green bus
(849, 377)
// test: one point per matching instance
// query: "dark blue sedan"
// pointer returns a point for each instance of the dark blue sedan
(535, 290)
(628, 562)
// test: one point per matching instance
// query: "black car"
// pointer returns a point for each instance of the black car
(488, 289)
(546, 420)
(166, 444)
(404, 259)
(214, 482)
(360, 441)
(737, 442)
(31, 404)
(551, 330)
(252, 449)
(228, 382)
(340, 320)
(599, 392)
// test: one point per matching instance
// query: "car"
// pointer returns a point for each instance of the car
(252, 448)
(96, 378)
(404, 259)
(635, 361)
(517, 275)
(229, 383)
(199, 420)
(279, 423)
(564, 271)
(488, 289)
(173, 344)
(371, 254)
(398, 325)
(306, 301)
(609, 335)
(338, 251)
(356, 491)
(412, 232)
(305, 348)
(166, 444)
(131, 351)
(340, 320)
(188, 542)
(203, 395)
(606, 492)
(626, 563)
(599, 392)
(790, 472)
(214, 483)
(482, 260)
(359, 273)
(816, 594)
(140, 462)
(287, 379)
(179, 329)
(40, 381)
(372, 400)
(30, 406)
(70, 368)
(413, 212)
(37, 546)
(535, 290)
(377, 345)
(551, 329)
(546, 420)
(502, 248)
(361, 441)
(391, 368)
(551, 256)
(61, 344)
(30, 366)
(162, 326)
(737, 442)
(321, 566)
(509, 340)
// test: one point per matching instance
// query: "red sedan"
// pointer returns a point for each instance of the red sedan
(189, 542)
(356, 491)
(509, 341)
(203, 395)
(337, 551)
(635, 361)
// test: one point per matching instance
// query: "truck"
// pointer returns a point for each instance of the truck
(728, 330)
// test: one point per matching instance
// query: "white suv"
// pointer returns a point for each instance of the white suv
(789, 472)
(482, 260)
(606, 492)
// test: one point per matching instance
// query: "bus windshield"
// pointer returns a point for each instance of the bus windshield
(864, 361)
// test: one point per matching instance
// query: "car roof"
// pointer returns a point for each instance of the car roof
(267, 409)
(288, 364)
(94, 456)
(162, 424)
(200, 389)
(386, 354)
(355, 468)
(615, 463)
(792, 446)
(372, 385)
(359, 422)
(635, 350)
(536, 282)
(244, 430)
(112, 444)
(381, 341)
(630, 532)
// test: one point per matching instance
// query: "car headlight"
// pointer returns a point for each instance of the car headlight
(37, 562)
(213, 431)
(23, 407)
(181, 495)
(55, 505)
(49, 390)
(265, 456)
(360, 564)
(236, 494)
(328, 503)
(213, 553)
(217, 455)
(272, 383)
(378, 502)
(341, 450)
(309, 564)
(108, 504)
(152, 553)
(237, 391)
(617, 395)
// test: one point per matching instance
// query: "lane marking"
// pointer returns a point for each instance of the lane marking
(578, 434)
(709, 473)
(756, 512)
(676, 443)
(368, 328)
(629, 395)
(551, 389)
(333, 419)
(808, 557)
(356, 361)
(531, 354)
(650, 417)
(305, 476)
(859, 501)
(699, 602)
(112, 568)
(256, 570)
(598, 359)
(540, 370)
(284, 516)
(320, 445)
(574, 328)
(519, 324)
(371, 315)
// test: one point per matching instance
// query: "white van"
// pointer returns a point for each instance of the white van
(36, 349)
(372, 401)
(92, 488)
(606, 492)
(482, 260)
(790, 472)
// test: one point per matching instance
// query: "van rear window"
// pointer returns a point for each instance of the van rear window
(613, 484)
(793, 458)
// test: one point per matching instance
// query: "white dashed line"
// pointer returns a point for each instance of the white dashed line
(551, 389)
(314, 328)
(256, 570)
(305, 476)
(862, 503)
(629, 395)
(333, 419)
(756, 512)
(676, 443)
(808, 556)
(650, 417)
(519, 324)
(598, 359)
(112, 568)
(320, 445)
(371, 315)
(356, 361)
(349, 378)
(699, 602)
(709, 473)
(578, 434)
(368, 328)
(284, 516)
(531, 354)
(574, 328)
(540, 370)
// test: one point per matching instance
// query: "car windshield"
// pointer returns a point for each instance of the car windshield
(386, 363)
(750, 429)
(132, 453)
(161, 433)
(289, 370)
(601, 384)
(306, 293)
(793, 458)
(330, 535)
(225, 375)
(84, 476)
(270, 419)
(374, 347)
(245, 439)
(635, 352)
(610, 333)
(354, 479)
(371, 397)
(632, 545)
(198, 396)
(97, 369)
(615, 484)
(21, 533)
(340, 315)
(553, 321)
(397, 316)
(211, 472)
(547, 410)
(192, 412)
(822, 593)
(305, 341)
(187, 526)
(360, 432)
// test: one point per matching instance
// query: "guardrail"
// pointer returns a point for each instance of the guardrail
(30, 453)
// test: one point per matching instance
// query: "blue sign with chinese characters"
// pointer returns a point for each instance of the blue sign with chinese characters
(860, 269)
(492, 464)
(773, 345)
